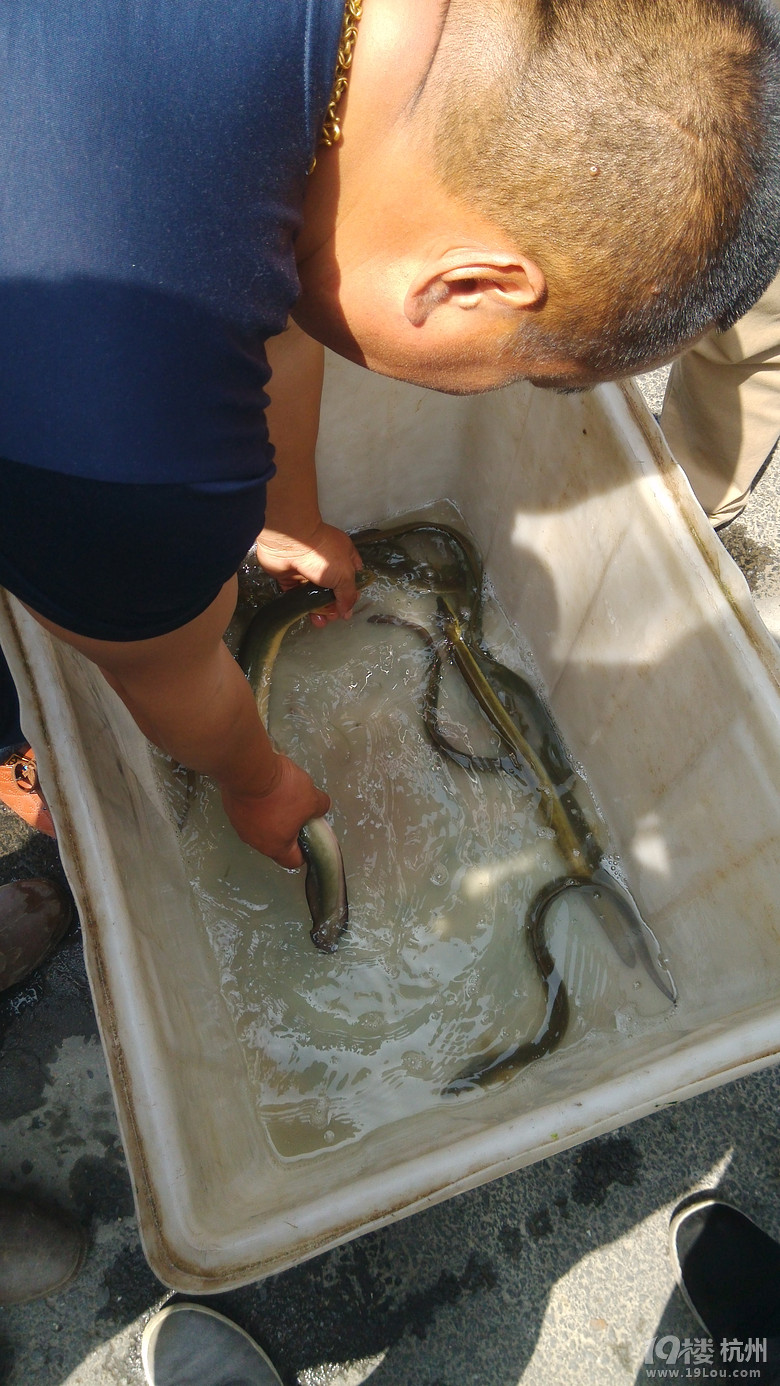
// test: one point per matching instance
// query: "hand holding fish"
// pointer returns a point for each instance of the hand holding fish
(271, 822)
(326, 557)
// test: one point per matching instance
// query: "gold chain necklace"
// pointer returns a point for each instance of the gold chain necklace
(331, 129)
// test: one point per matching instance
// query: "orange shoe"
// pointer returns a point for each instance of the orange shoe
(20, 790)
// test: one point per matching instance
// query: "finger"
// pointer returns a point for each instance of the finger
(321, 618)
(323, 804)
(289, 580)
(346, 595)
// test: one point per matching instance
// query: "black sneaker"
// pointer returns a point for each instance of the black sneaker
(728, 1270)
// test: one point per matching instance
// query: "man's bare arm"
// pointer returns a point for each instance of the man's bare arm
(188, 696)
(296, 543)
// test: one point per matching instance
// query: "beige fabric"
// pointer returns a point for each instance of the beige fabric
(721, 414)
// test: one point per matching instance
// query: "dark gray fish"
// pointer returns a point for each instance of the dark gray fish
(613, 907)
(495, 1067)
(616, 911)
(389, 544)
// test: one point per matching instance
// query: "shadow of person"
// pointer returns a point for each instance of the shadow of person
(462, 1292)
(487, 1288)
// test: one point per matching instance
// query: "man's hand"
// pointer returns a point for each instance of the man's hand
(328, 558)
(271, 822)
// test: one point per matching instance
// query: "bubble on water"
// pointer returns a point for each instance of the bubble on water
(626, 1020)
(440, 875)
(329, 1137)
(413, 1061)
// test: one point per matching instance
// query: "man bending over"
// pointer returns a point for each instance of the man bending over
(564, 191)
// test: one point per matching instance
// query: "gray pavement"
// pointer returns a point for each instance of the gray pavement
(555, 1276)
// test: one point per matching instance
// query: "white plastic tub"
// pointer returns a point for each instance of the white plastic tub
(666, 687)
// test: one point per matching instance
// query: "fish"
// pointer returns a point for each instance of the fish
(495, 1067)
(573, 833)
(530, 714)
(540, 767)
(522, 754)
(470, 573)
(325, 883)
(539, 733)
(617, 913)
(430, 701)
(613, 906)
(262, 640)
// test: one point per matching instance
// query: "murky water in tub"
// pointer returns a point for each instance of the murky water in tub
(441, 865)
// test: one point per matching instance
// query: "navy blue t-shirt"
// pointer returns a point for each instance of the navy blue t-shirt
(153, 159)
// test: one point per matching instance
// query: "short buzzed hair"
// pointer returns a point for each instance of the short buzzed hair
(632, 147)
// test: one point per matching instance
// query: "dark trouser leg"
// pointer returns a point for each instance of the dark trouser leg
(11, 735)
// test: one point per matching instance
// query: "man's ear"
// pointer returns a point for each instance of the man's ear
(507, 283)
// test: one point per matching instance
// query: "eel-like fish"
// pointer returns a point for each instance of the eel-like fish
(539, 766)
(527, 762)
(490, 1069)
(537, 728)
(326, 886)
(616, 911)
(430, 702)
(263, 639)
(387, 541)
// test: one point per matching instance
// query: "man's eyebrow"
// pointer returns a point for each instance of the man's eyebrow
(420, 88)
